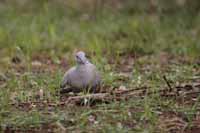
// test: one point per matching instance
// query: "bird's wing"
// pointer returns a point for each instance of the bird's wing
(95, 75)
(66, 77)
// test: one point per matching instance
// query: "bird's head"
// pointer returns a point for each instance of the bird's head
(80, 58)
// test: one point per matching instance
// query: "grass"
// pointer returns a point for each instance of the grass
(44, 38)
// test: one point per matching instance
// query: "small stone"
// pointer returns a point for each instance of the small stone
(36, 63)
(122, 88)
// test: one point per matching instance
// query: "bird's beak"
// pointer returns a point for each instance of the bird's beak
(79, 59)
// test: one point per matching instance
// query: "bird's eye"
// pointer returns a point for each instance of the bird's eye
(77, 57)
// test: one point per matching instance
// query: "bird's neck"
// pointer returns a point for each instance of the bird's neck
(82, 64)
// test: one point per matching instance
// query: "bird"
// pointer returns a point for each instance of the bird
(82, 77)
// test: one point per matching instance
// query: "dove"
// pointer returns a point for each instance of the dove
(83, 76)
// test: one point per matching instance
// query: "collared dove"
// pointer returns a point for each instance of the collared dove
(83, 76)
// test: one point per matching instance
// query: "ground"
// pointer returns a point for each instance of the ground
(155, 57)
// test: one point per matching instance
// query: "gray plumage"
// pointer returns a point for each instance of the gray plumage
(82, 76)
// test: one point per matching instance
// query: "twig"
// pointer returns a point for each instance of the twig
(191, 93)
(63, 129)
(115, 95)
(168, 84)
(97, 96)
(107, 97)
